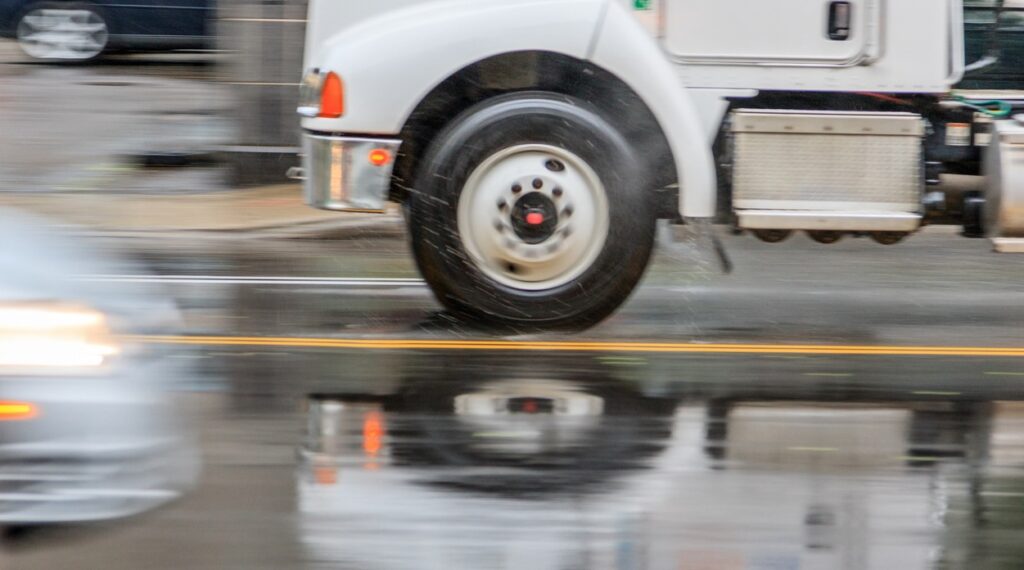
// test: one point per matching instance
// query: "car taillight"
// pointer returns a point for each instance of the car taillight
(332, 97)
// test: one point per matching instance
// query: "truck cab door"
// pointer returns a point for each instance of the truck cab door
(828, 33)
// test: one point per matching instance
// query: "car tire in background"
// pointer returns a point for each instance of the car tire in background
(531, 209)
(62, 32)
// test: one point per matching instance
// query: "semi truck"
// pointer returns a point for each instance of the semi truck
(535, 145)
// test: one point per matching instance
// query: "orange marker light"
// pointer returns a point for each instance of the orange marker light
(14, 411)
(332, 97)
(379, 157)
(373, 433)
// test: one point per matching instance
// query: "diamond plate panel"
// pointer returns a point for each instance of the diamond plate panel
(827, 168)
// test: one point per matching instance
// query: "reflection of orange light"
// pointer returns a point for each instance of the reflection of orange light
(379, 157)
(332, 97)
(12, 411)
(325, 475)
(373, 431)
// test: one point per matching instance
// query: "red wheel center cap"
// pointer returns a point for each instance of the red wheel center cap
(535, 218)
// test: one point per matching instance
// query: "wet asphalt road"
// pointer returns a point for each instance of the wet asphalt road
(321, 455)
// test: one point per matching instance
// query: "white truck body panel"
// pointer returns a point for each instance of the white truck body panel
(327, 18)
(770, 33)
(895, 46)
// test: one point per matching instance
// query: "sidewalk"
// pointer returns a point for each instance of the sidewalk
(269, 211)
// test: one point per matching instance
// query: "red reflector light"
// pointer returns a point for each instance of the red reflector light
(379, 157)
(332, 97)
(13, 411)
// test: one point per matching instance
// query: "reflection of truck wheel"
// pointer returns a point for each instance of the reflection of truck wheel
(531, 209)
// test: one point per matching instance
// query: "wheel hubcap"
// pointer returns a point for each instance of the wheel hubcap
(62, 34)
(533, 216)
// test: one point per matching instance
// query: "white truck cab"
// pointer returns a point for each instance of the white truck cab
(535, 143)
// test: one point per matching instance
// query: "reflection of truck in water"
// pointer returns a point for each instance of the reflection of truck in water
(535, 145)
(553, 473)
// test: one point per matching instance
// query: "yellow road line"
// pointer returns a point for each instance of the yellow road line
(582, 346)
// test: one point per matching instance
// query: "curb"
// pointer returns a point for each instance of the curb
(270, 211)
(384, 225)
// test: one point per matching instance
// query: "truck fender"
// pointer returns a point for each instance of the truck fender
(625, 49)
(389, 63)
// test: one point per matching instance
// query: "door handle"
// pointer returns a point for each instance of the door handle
(839, 20)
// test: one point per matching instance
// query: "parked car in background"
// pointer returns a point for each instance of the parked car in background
(74, 30)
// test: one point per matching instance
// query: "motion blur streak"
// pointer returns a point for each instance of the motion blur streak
(595, 346)
(14, 411)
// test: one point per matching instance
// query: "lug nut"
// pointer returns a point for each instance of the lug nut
(499, 226)
(516, 188)
(502, 204)
(567, 211)
(537, 183)
(557, 192)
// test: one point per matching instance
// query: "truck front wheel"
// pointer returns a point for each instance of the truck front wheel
(531, 209)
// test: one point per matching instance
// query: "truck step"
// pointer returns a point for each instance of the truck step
(837, 220)
(1008, 245)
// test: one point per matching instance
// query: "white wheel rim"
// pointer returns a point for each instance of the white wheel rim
(62, 34)
(488, 229)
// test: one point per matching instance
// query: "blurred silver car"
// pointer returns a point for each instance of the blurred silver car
(86, 431)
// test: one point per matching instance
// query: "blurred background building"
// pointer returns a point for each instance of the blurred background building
(264, 41)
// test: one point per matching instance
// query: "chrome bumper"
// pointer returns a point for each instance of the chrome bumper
(341, 175)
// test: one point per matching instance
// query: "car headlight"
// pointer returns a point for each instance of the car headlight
(53, 335)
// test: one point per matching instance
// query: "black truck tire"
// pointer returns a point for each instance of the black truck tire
(532, 209)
